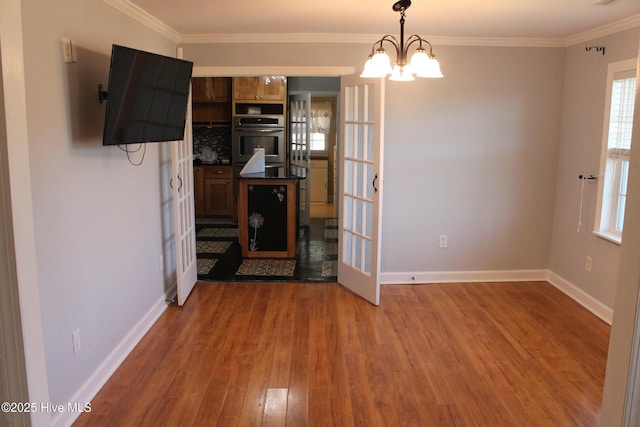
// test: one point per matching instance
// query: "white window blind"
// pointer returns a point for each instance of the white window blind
(621, 116)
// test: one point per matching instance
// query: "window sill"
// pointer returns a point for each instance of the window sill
(608, 236)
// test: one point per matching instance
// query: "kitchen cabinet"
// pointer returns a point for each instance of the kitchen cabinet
(210, 89)
(218, 191)
(319, 178)
(213, 190)
(260, 88)
(211, 100)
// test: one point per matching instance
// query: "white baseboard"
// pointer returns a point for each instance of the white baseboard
(91, 387)
(403, 278)
(581, 297)
(574, 292)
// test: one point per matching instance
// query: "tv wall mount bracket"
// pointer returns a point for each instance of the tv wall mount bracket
(102, 94)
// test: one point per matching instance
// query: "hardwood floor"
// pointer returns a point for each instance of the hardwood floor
(477, 354)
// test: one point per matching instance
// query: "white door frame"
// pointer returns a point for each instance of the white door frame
(13, 384)
(621, 399)
(24, 253)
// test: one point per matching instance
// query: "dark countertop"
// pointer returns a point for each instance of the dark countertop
(216, 163)
(267, 176)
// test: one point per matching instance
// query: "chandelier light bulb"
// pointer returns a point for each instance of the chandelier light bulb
(370, 71)
(381, 62)
(402, 74)
(432, 69)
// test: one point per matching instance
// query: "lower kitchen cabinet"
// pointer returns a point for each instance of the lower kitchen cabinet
(213, 188)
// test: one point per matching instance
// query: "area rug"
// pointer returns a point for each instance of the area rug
(205, 265)
(212, 247)
(221, 231)
(329, 268)
(267, 267)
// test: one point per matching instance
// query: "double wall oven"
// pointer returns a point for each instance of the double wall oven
(252, 132)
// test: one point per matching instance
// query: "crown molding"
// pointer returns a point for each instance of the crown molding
(363, 39)
(145, 18)
(276, 38)
(632, 21)
(142, 16)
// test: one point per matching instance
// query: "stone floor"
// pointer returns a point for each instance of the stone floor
(220, 255)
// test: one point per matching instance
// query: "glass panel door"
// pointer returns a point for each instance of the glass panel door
(361, 186)
(300, 150)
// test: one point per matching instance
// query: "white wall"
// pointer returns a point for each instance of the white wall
(472, 156)
(579, 153)
(98, 220)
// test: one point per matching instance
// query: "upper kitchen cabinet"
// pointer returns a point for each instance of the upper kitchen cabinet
(262, 88)
(216, 89)
(211, 100)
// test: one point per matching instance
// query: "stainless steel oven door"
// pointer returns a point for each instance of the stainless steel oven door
(248, 139)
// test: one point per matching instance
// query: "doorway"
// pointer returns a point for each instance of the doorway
(317, 241)
(323, 172)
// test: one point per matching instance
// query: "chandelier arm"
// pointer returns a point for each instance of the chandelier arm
(417, 39)
(390, 39)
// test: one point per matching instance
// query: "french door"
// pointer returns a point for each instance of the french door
(361, 134)
(183, 210)
(300, 150)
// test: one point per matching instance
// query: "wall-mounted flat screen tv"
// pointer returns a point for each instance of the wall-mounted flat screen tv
(147, 97)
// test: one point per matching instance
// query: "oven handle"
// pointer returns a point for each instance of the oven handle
(260, 130)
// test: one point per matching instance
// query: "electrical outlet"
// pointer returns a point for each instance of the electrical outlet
(76, 341)
(161, 263)
(442, 243)
(588, 264)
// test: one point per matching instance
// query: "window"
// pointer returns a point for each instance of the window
(614, 163)
(318, 141)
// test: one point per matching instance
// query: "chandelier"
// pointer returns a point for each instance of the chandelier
(422, 64)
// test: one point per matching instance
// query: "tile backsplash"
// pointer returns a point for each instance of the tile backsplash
(217, 139)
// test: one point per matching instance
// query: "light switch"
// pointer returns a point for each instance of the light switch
(68, 50)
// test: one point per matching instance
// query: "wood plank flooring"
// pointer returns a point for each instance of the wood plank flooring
(475, 354)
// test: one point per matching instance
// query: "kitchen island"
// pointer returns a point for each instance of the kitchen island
(268, 215)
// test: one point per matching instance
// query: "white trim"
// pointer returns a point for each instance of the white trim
(11, 44)
(606, 236)
(632, 21)
(581, 297)
(238, 71)
(102, 374)
(145, 18)
(463, 276)
(365, 39)
(572, 291)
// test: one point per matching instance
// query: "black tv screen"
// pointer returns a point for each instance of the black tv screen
(147, 97)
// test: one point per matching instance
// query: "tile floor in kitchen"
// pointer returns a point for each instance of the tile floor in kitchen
(317, 250)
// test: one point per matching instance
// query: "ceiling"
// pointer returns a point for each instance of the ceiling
(522, 19)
